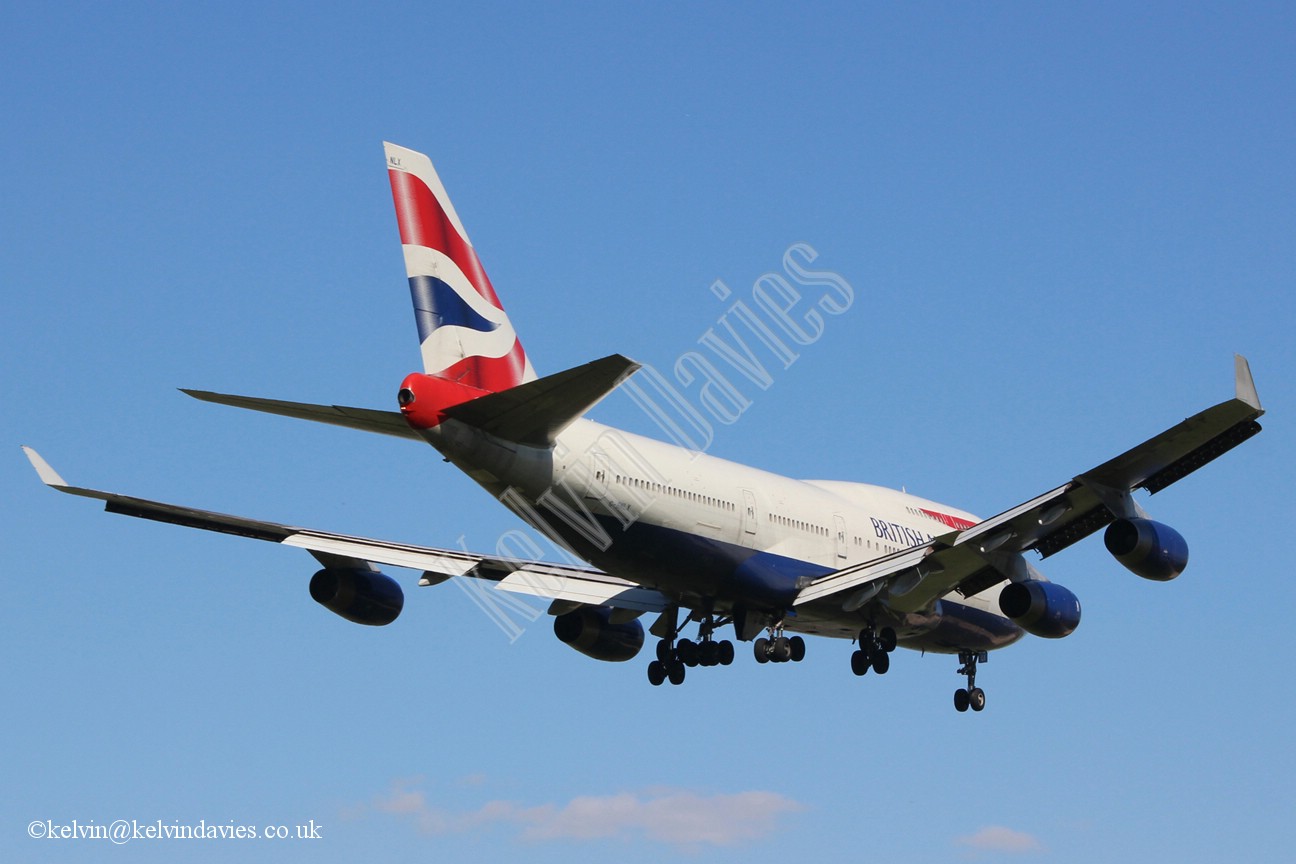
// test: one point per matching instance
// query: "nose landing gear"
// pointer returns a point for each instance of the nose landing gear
(972, 696)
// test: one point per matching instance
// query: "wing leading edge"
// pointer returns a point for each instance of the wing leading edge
(974, 559)
(550, 581)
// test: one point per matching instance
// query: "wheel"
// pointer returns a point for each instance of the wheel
(726, 653)
(687, 651)
(761, 649)
(961, 700)
(881, 662)
(977, 698)
(709, 654)
(782, 650)
(887, 640)
(656, 673)
(859, 663)
(665, 652)
(798, 648)
(676, 673)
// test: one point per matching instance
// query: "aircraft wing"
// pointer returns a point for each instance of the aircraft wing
(972, 560)
(550, 581)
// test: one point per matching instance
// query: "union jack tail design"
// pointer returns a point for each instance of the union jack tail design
(463, 332)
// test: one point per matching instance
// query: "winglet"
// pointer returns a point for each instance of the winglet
(1246, 389)
(48, 475)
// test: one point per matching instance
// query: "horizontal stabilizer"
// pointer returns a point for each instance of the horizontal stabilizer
(536, 412)
(364, 419)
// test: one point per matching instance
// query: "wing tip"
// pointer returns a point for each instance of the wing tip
(44, 470)
(1244, 383)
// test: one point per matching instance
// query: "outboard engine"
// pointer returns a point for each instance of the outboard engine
(358, 595)
(1146, 548)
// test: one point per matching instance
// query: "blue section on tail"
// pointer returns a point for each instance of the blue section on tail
(437, 305)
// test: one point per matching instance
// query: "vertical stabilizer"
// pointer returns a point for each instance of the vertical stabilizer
(464, 334)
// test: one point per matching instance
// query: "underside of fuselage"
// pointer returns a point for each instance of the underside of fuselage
(704, 572)
(700, 572)
(709, 573)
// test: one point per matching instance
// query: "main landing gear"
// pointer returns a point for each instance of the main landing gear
(779, 648)
(973, 696)
(673, 657)
(874, 651)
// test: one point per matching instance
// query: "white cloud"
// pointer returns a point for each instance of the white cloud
(676, 817)
(996, 838)
(671, 816)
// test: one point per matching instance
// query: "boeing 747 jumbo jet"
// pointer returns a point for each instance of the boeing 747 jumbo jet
(688, 538)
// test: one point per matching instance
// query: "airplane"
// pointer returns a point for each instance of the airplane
(664, 530)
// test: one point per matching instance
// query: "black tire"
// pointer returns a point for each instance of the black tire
(726, 653)
(977, 699)
(881, 662)
(676, 673)
(961, 700)
(665, 652)
(782, 650)
(687, 651)
(656, 673)
(709, 653)
(859, 663)
(887, 640)
(760, 648)
(797, 645)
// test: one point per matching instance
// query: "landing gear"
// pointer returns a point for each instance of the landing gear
(705, 653)
(673, 656)
(669, 665)
(874, 651)
(779, 648)
(657, 672)
(973, 696)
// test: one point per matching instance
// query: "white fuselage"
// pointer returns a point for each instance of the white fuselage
(719, 534)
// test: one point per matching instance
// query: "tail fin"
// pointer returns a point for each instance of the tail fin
(464, 334)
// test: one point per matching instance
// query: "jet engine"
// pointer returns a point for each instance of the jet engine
(1041, 608)
(590, 630)
(1146, 548)
(362, 596)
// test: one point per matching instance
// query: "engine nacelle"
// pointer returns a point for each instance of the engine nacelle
(362, 596)
(1041, 608)
(1146, 548)
(590, 631)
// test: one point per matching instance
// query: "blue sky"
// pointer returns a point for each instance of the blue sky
(1059, 224)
